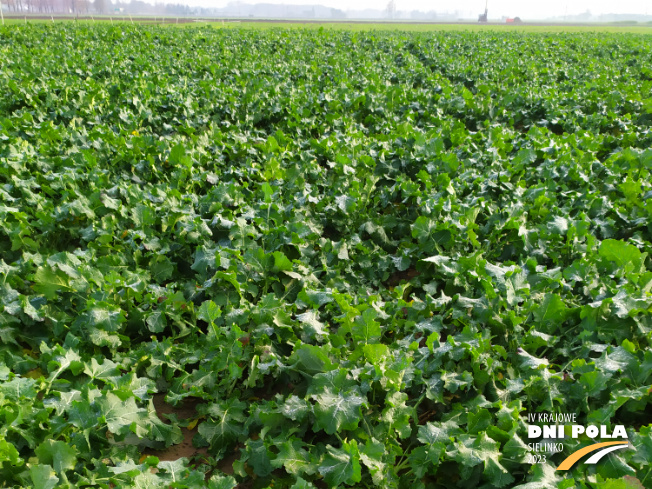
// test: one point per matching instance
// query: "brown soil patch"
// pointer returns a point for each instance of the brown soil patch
(397, 277)
(186, 411)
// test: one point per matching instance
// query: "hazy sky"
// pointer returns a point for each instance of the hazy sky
(497, 8)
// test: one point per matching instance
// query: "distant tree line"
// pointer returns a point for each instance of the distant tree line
(56, 6)
(98, 7)
(233, 9)
(48, 6)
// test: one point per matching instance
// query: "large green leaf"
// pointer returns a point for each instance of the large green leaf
(341, 465)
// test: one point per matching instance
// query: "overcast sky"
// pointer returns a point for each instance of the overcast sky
(497, 8)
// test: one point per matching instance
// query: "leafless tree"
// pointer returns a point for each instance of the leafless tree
(391, 9)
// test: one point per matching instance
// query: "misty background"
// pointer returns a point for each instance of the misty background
(406, 10)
